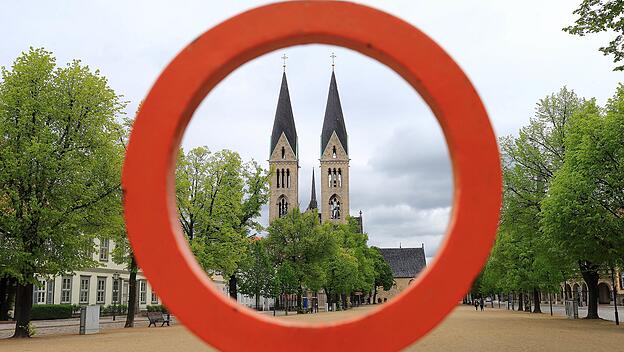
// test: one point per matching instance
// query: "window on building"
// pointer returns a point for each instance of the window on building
(104, 244)
(329, 178)
(282, 206)
(283, 178)
(154, 297)
(287, 178)
(39, 294)
(100, 295)
(339, 178)
(85, 281)
(66, 286)
(283, 153)
(50, 292)
(278, 178)
(334, 152)
(334, 178)
(115, 295)
(143, 291)
(334, 207)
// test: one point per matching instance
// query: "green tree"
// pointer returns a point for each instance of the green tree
(257, 272)
(596, 16)
(583, 211)
(526, 258)
(218, 198)
(383, 272)
(60, 164)
(296, 239)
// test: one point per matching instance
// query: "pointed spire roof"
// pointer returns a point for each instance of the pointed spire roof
(284, 121)
(334, 121)
(313, 204)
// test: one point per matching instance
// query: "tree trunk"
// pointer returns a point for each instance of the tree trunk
(299, 300)
(520, 302)
(4, 298)
(537, 308)
(132, 294)
(258, 301)
(232, 287)
(375, 295)
(23, 308)
(591, 276)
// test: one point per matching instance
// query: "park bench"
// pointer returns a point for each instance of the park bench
(156, 317)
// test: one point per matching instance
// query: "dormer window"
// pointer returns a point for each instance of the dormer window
(334, 152)
(283, 153)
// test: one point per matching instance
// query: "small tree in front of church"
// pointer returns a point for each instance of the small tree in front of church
(219, 198)
(296, 239)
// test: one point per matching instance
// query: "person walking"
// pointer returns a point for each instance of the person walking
(476, 304)
(481, 303)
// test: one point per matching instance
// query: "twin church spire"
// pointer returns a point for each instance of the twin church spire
(334, 161)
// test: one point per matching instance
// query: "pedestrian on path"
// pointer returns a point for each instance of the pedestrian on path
(476, 304)
(481, 303)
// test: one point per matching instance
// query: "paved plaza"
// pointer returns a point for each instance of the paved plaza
(464, 330)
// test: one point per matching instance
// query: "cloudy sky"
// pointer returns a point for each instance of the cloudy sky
(514, 52)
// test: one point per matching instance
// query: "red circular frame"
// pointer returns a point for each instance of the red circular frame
(148, 177)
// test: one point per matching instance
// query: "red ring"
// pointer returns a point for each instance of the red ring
(148, 177)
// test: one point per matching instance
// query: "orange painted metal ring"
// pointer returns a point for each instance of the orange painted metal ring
(148, 177)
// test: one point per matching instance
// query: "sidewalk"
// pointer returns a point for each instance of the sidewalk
(72, 326)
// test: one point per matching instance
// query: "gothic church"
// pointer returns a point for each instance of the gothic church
(334, 160)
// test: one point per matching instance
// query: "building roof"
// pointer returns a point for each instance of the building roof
(284, 121)
(405, 262)
(313, 203)
(334, 121)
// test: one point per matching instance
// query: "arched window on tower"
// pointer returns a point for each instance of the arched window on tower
(334, 207)
(329, 178)
(283, 179)
(339, 178)
(283, 153)
(334, 152)
(278, 178)
(287, 178)
(282, 206)
(334, 178)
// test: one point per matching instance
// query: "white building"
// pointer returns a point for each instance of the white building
(96, 285)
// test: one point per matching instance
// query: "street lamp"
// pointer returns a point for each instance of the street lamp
(115, 281)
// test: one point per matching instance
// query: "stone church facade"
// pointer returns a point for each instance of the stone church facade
(334, 160)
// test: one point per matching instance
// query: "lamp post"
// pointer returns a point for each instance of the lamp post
(115, 280)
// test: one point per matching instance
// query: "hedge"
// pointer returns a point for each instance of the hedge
(157, 308)
(51, 311)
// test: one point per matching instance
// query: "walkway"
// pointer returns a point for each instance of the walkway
(464, 330)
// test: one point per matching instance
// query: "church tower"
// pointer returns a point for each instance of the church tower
(334, 160)
(283, 159)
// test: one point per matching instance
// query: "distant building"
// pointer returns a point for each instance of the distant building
(406, 264)
(334, 160)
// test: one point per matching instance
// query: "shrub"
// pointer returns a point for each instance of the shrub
(157, 308)
(51, 311)
(118, 309)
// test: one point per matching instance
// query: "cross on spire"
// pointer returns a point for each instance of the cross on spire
(284, 57)
(333, 57)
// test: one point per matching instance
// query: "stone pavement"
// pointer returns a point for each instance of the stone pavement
(493, 330)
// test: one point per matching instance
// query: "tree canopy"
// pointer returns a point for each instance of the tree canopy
(596, 16)
(60, 165)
